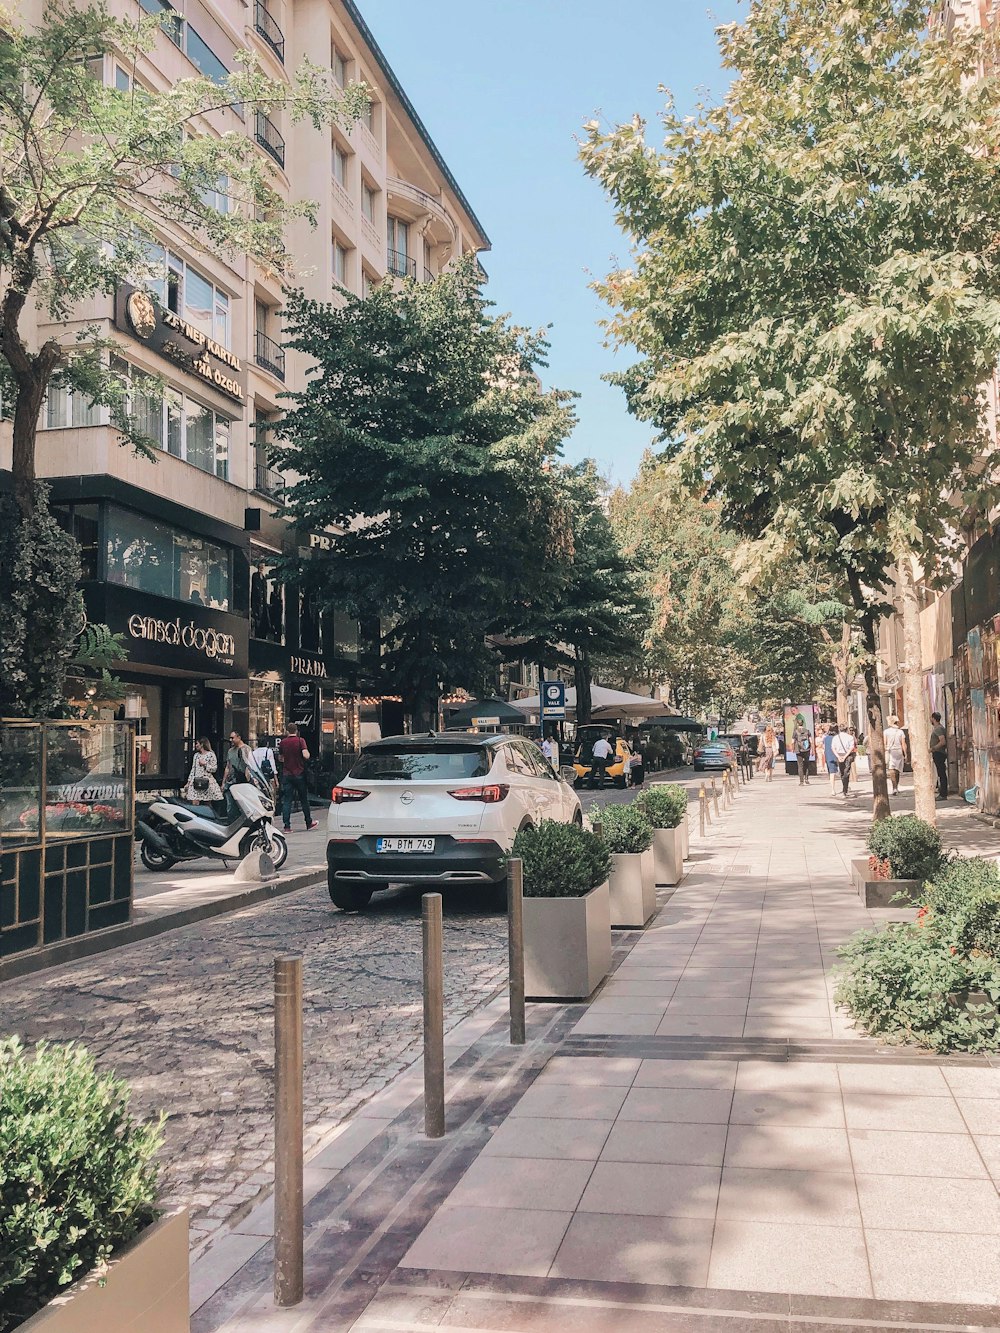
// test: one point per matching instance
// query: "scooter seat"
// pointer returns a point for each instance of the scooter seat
(203, 811)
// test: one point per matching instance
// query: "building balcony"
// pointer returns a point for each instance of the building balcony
(401, 264)
(270, 355)
(266, 480)
(270, 139)
(269, 30)
(417, 203)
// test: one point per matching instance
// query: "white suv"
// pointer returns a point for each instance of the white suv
(438, 808)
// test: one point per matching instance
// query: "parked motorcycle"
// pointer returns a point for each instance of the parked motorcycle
(173, 830)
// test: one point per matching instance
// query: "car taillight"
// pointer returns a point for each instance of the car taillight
(488, 795)
(341, 794)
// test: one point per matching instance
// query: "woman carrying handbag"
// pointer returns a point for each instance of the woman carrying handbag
(202, 788)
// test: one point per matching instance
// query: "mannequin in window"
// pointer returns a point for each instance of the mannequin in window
(259, 614)
(309, 624)
(276, 608)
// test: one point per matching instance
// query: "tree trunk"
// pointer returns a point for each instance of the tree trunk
(876, 739)
(31, 391)
(913, 694)
(582, 678)
(841, 671)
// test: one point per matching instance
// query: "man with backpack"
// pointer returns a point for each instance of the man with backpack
(845, 749)
(264, 758)
(802, 741)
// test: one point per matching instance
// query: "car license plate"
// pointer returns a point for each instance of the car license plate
(404, 844)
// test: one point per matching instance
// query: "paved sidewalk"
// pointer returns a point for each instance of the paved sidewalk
(707, 1143)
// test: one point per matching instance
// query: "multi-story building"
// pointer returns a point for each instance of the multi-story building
(177, 550)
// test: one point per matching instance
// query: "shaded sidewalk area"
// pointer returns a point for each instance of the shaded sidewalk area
(707, 1143)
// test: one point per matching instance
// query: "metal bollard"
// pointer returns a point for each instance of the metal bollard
(715, 798)
(515, 947)
(706, 814)
(598, 828)
(433, 1015)
(287, 1131)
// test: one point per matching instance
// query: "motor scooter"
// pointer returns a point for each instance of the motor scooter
(173, 830)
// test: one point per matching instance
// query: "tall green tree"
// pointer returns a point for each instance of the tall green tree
(88, 175)
(425, 438)
(815, 290)
(596, 611)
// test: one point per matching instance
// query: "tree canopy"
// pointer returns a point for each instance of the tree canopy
(425, 438)
(814, 286)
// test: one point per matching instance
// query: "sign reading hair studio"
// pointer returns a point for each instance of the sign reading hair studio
(137, 314)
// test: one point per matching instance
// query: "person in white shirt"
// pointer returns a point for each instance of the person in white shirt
(264, 758)
(550, 749)
(895, 752)
(599, 764)
(844, 749)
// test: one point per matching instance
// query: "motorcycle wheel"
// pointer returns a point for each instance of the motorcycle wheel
(153, 859)
(275, 846)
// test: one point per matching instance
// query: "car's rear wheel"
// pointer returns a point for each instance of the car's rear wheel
(350, 898)
(578, 819)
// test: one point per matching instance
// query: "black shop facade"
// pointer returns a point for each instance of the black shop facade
(315, 667)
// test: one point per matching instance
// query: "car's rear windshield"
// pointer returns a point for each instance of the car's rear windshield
(410, 765)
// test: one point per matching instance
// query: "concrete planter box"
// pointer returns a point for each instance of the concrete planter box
(633, 893)
(145, 1289)
(880, 892)
(567, 945)
(668, 855)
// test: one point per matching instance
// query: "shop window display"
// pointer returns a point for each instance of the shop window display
(144, 706)
(267, 605)
(154, 557)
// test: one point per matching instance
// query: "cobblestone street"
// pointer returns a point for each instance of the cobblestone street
(187, 1020)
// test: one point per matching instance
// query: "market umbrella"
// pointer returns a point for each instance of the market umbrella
(676, 724)
(606, 704)
(484, 713)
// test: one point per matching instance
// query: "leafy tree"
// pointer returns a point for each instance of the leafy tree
(424, 436)
(814, 293)
(88, 173)
(599, 613)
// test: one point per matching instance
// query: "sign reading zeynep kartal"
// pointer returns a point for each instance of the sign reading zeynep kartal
(137, 314)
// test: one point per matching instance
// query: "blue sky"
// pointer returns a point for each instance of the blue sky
(503, 86)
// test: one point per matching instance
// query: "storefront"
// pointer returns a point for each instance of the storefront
(173, 585)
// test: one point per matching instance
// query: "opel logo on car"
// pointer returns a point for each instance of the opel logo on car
(407, 798)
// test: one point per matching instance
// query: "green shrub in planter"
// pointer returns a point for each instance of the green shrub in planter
(965, 901)
(624, 828)
(561, 860)
(904, 983)
(77, 1175)
(910, 845)
(664, 805)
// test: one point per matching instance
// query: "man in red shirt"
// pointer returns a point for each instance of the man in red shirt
(293, 754)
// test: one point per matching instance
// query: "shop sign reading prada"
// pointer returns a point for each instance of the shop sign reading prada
(138, 314)
(213, 643)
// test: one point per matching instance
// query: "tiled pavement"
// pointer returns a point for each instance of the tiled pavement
(708, 1143)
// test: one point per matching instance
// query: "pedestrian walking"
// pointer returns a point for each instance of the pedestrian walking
(939, 753)
(802, 744)
(240, 767)
(266, 760)
(896, 751)
(769, 753)
(600, 755)
(832, 767)
(845, 748)
(294, 756)
(201, 787)
(550, 749)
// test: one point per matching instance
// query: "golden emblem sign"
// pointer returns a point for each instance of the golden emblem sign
(141, 314)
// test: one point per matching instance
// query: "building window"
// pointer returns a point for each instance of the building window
(172, 22)
(217, 197)
(371, 116)
(339, 165)
(368, 283)
(398, 235)
(267, 709)
(368, 204)
(190, 294)
(123, 80)
(153, 557)
(69, 407)
(340, 263)
(201, 54)
(82, 522)
(179, 425)
(338, 63)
